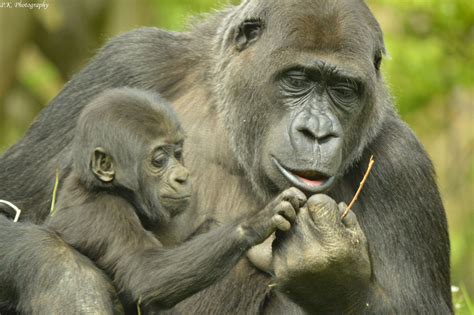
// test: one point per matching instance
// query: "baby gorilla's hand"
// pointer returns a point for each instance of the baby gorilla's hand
(277, 215)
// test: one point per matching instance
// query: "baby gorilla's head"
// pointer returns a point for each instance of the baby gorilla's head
(130, 142)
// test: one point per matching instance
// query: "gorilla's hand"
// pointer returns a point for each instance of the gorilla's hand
(277, 215)
(322, 261)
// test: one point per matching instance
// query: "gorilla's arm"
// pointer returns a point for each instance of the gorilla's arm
(407, 244)
(37, 270)
(406, 225)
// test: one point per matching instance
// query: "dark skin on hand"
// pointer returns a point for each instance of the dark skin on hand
(127, 174)
(273, 95)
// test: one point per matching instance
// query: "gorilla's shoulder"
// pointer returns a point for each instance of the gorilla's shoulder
(397, 146)
(145, 38)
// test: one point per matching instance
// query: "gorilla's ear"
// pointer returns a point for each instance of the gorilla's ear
(378, 59)
(102, 165)
(248, 33)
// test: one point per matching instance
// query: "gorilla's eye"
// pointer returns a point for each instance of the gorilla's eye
(344, 94)
(160, 160)
(297, 81)
(178, 154)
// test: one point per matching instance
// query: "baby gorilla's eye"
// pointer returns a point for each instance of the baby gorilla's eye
(178, 154)
(160, 161)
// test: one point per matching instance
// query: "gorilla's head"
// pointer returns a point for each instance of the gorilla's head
(301, 88)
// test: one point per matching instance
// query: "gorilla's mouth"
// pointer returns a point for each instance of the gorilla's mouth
(177, 198)
(306, 180)
(180, 202)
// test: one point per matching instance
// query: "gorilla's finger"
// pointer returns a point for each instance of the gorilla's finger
(323, 209)
(350, 220)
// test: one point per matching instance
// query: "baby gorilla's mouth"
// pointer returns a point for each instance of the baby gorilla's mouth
(307, 180)
(175, 204)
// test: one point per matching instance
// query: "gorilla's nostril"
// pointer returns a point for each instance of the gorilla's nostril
(307, 133)
(326, 138)
(314, 136)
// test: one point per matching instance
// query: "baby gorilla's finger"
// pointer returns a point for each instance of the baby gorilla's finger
(294, 196)
(286, 210)
(281, 223)
(350, 220)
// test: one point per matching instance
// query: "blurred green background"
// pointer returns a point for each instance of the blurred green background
(429, 70)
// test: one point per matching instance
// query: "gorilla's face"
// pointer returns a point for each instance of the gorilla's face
(305, 146)
(299, 89)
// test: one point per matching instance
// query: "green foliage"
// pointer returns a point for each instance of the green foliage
(433, 42)
(173, 14)
(462, 301)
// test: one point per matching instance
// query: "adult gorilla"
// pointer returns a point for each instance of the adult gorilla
(275, 94)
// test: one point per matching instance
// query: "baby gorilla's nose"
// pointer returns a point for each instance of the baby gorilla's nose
(179, 179)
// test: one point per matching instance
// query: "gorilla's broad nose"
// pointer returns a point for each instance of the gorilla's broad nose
(313, 129)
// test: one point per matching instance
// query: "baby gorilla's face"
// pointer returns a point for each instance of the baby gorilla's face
(172, 178)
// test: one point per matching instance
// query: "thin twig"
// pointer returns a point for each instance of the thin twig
(139, 306)
(369, 168)
(55, 191)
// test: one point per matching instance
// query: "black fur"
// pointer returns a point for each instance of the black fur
(41, 274)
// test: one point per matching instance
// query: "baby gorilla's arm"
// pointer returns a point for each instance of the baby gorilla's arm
(108, 231)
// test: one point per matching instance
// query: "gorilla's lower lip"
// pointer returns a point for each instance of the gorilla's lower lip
(177, 198)
(317, 182)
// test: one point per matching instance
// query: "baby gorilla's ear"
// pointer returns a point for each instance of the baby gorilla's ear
(102, 165)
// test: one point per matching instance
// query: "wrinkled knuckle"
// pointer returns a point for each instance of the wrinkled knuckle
(324, 215)
(296, 193)
(284, 206)
(292, 190)
(288, 194)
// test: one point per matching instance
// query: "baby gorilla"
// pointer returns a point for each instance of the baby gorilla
(128, 178)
